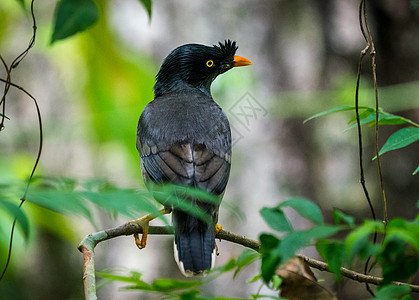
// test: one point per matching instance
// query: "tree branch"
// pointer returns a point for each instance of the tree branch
(88, 244)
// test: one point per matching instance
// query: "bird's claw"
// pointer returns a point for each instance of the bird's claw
(217, 229)
(141, 243)
(144, 224)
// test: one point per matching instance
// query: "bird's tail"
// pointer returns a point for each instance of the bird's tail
(194, 244)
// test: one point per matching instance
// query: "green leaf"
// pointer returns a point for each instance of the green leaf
(230, 265)
(331, 111)
(362, 115)
(6, 117)
(389, 119)
(128, 202)
(305, 208)
(73, 16)
(413, 226)
(180, 197)
(184, 205)
(400, 248)
(270, 258)
(246, 258)
(275, 218)
(182, 191)
(255, 278)
(383, 119)
(363, 121)
(275, 252)
(390, 292)
(406, 231)
(135, 279)
(400, 139)
(367, 116)
(339, 216)
(296, 240)
(415, 171)
(68, 196)
(333, 252)
(169, 285)
(159, 285)
(357, 243)
(269, 264)
(60, 201)
(276, 282)
(147, 5)
(268, 242)
(188, 295)
(398, 261)
(21, 3)
(16, 212)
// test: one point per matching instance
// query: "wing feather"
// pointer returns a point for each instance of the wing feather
(183, 164)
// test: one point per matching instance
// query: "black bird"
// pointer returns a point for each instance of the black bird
(184, 138)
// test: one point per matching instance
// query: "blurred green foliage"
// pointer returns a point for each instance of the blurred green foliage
(181, 289)
(118, 87)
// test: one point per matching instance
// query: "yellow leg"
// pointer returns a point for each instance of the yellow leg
(144, 223)
(217, 229)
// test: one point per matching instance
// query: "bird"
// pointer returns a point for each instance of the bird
(184, 138)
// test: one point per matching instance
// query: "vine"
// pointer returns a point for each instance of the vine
(8, 83)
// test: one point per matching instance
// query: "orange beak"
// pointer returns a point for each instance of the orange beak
(241, 61)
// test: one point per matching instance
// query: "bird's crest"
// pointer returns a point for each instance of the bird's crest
(228, 49)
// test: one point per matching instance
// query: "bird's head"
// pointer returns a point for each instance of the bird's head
(196, 66)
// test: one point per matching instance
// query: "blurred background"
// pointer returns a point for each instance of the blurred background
(92, 88)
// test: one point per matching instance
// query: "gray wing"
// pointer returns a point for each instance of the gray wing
(185, 142)
(186, 163)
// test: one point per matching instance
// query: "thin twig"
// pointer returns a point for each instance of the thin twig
(88, 244)
(358, 121)
(8, 83)
(362, 15)
(5, 91)
(377, 113)
(16, 62)
(360, 147)
(38, 157)
(322, 266)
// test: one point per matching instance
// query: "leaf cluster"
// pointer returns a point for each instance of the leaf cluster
(82, 198)
(397, 255)
(181, 289)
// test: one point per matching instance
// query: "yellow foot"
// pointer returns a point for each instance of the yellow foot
(144, 224)
(217, 229)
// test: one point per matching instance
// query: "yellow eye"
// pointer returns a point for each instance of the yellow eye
(210, 63)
